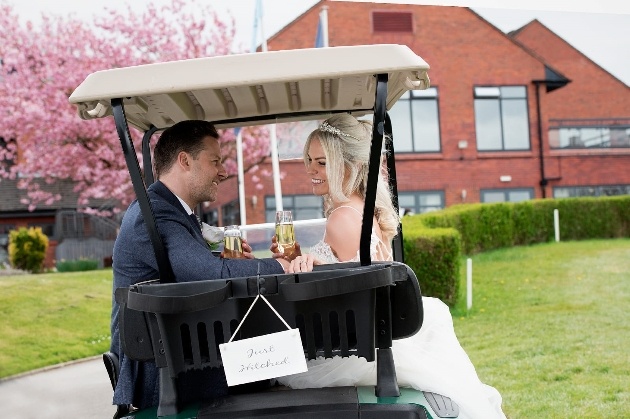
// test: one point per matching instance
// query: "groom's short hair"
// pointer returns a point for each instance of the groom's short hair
(184, 136)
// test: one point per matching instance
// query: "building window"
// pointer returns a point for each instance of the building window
(304, 207)
(47, 228)
(501, 119)
(231, 214)
(506, 195)
(601, 190)
(4, 241)
(416, 122)
(420, 201)
(211, 217)
(392, 22)
(584, 133)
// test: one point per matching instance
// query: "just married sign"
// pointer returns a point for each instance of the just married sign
(262, 357)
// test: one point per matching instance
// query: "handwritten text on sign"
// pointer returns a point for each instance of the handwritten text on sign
(263, 357)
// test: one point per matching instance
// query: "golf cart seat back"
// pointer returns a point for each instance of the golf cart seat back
(345, 310)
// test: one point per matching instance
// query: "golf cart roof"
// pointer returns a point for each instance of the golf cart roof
(255, 88)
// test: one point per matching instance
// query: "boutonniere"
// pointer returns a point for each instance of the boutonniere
(213, 235)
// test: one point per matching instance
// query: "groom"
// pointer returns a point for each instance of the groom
(188, 167)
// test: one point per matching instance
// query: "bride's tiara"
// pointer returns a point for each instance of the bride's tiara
(326, 127)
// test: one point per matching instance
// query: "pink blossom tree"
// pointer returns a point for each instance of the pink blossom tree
(42, 64)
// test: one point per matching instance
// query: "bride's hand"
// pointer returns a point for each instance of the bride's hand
(277, 254)
(303, 263)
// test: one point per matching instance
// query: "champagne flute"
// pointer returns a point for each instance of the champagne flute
(233, 243)
(285, 234)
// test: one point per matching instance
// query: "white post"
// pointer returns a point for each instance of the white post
(323, 16)
(556, 224)
(241, 176)
(469, 296)
(275, 164)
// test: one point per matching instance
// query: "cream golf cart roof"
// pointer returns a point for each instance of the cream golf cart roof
(235, 90)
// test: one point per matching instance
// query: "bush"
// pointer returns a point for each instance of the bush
(434, 241)
(27, 248)
(492, 226)
(77, 265)
(434, 255)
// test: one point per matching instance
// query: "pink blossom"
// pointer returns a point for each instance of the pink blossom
(41, 66)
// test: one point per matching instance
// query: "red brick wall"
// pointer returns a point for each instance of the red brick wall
(465, 51)
(592, 93)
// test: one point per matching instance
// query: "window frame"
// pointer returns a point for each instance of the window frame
(606, 127)
(478, 95)
(598, 189)
(408, 99)
(418, 207)
(289, 203)
(231, 211)
(506, 191)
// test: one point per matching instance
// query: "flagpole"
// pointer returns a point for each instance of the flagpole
(272, 134)
(241, 176)
(323, 17)
(275, 163)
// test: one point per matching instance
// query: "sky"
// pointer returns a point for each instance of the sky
(599, 29)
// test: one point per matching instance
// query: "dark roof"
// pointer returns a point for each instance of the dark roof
(12, 196)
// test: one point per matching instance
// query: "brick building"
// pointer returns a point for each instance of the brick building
(71, 234)
(508, 117)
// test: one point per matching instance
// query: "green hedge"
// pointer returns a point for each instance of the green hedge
(78, 265)
(434, 255)
(434, 241)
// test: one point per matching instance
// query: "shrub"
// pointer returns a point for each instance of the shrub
(434, 255)
(77, 265)
(491, 226)
(27, 248)
(433, 242)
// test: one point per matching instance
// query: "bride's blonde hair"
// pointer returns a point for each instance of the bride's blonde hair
(346, 142)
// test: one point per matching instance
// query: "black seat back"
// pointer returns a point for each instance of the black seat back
(344, 310)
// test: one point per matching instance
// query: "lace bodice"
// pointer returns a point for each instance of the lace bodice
(378, 249)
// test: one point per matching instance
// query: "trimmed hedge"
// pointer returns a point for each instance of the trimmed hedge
(433, 240)
(78, 265)
(434, 255)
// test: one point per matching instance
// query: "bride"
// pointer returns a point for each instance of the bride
(336, 156)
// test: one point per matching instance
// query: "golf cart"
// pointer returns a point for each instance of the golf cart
(340, 309)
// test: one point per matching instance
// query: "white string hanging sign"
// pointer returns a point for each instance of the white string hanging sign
(262, 357)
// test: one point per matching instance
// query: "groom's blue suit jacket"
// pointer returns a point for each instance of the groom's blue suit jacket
(191, 260)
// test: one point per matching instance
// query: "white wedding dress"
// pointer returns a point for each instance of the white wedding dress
(431, 360)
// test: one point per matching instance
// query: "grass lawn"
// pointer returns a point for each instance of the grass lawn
(548, 328)
(52, 318)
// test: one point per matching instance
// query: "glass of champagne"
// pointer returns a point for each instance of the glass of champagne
(285, 235)
(233, 244)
